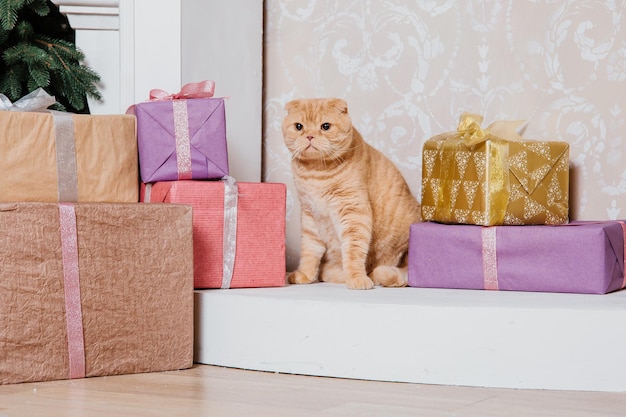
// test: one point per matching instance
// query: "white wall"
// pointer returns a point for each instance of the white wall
(223, 41)
(409, 68)
(138, 45)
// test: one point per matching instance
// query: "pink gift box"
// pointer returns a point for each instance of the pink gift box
(580, 257)
(181, 139)
(260, 230)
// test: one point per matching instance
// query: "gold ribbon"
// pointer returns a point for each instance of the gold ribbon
(472, 134)
(496, 138)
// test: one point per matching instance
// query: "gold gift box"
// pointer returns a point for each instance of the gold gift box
(494, 177)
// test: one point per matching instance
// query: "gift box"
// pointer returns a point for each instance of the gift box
(494, 177)
(94, 289)
(55, 156)
(239, 230)
(181, 139)
(579, 257)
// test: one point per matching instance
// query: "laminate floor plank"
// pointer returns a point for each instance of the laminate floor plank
(215, 391)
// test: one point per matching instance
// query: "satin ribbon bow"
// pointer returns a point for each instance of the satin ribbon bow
(202, 89)
(472, 134)
(37, 100)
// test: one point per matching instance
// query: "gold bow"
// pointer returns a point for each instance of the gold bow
(469, 133)
(472, 134)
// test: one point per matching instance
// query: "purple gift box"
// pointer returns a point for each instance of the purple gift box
(580, 257)
(181, 139)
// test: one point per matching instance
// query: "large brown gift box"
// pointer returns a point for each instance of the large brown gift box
(494, 177)
(50, 157)
(94, 289)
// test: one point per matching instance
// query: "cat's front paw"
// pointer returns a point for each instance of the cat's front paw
(297, 277)
(389, 276)
(360, 283)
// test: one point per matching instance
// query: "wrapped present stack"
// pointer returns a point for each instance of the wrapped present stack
(496, 211)
(92, 282)
(239, 228)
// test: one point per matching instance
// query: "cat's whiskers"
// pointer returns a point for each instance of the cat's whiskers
(323, 160)
(326, 153)
(297, 153)
(335, 156)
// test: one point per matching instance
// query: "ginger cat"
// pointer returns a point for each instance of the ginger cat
(356, 206)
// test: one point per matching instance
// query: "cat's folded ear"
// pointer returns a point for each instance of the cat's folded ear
(292, 105)
(338, 104)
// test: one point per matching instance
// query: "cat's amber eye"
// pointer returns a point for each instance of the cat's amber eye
(299, 126)
(325, 126)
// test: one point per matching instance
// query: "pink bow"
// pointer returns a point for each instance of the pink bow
(202, 89)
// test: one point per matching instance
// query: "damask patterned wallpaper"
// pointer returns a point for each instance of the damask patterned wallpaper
(409, 68)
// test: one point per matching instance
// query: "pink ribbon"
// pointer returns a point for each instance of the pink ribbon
(490, 260)
(202, 89)
(183, 141)
(71, 285)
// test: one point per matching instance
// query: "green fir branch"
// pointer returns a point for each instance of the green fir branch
(8, 13)
(39, 77)
(37, 50)
(40, 7)
(78, 78)
(24, 31)
(10, 82)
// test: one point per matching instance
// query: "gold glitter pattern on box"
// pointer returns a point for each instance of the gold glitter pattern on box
(456, 179)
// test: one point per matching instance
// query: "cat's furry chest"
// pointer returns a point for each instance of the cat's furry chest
(324, 198)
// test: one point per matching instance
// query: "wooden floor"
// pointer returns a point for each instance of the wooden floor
(213, 391)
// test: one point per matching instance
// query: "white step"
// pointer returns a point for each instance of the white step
(429, 336)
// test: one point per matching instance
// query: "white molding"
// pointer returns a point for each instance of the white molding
(127, 54)
(89, 3)
(91, 15)
(139, 45)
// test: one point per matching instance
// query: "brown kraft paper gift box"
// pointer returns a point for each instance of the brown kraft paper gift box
(50, 157)
(133, 290)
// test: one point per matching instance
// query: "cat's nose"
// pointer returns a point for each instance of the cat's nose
(309, 137)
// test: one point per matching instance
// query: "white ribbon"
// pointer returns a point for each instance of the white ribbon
(230, 229)
(67, 171)
(38, 100)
